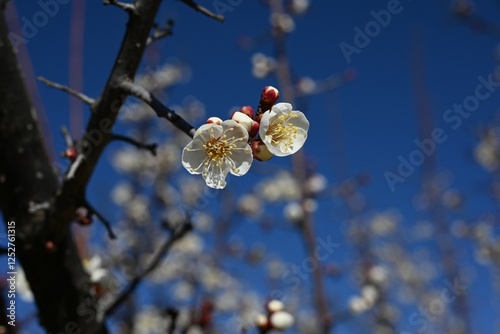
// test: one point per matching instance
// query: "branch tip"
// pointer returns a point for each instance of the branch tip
(90, 101)
(203, 10)
(128, 7)
(150, 147)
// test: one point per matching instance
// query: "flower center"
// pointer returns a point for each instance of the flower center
(217, 150)
(282, 132)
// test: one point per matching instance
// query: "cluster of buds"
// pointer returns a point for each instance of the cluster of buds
(275, 319)
(365, 301)
(219, 147)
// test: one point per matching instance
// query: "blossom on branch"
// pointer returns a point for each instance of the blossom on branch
(283, 130)
(217, 150)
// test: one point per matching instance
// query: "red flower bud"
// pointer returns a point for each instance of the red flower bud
(254, 129)
(260, 151)
(269, 95)
(70, 153)
(247, 110)
(214, 120)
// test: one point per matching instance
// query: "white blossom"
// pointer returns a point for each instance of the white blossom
(281, 320)
(95, 270)
(283, 130)
(293, 212)
(217, 150)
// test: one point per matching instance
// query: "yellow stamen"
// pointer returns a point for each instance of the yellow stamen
(282, 132)
(218, 150)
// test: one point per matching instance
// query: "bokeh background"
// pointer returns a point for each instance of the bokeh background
(438, 226)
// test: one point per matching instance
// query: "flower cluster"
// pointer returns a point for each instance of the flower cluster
(222, 147)
(276, 319)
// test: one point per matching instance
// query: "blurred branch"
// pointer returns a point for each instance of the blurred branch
(150, 147)
(159, 108)
(67, 137)
(103, 219)
(177, 234)
(203, 10)
(284, 76)
(160, 33)
(90, 101)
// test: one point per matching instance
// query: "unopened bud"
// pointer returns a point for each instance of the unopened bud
(243, 119)
(269, 95)
(70, 153)
(50, 246)
(214, 120)
(260, 151)
(275, 306)
(247, 110)
(261, 321)
(254, 129)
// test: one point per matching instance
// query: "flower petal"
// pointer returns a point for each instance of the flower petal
(193, 156)
(242, 159)
(215, 177)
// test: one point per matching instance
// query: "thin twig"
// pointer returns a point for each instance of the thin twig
(74, 166)
(67, 137)
(204, 10)
(90, 101)
(160, 33)
(176, 235)
(128, 7)
(104, 221)
(159, 108)
(150, 147)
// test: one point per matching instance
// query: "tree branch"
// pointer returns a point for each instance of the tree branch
(203, 10)
(105, 111)
(159, 108)
(160, 33)
(58, 281)
(103, 220)
(177, 234)
(128, 7)
(90, 101)
(150, 147)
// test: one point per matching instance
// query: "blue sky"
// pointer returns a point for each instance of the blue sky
(362, 127)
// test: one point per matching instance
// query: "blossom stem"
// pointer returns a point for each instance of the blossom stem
(159, 108)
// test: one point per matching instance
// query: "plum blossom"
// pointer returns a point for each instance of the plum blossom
(283, 130)
(217, 150)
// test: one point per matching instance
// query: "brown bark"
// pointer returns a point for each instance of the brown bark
(57, 278)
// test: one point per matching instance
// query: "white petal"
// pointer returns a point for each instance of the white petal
(215, 177)
(282, 107)
(264, 124)
(193, 156)
(242, 159)
(207, 132)
(234, 130)
(300, 121)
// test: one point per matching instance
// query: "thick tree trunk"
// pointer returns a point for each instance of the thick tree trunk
(30, 194)
(57, 278)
